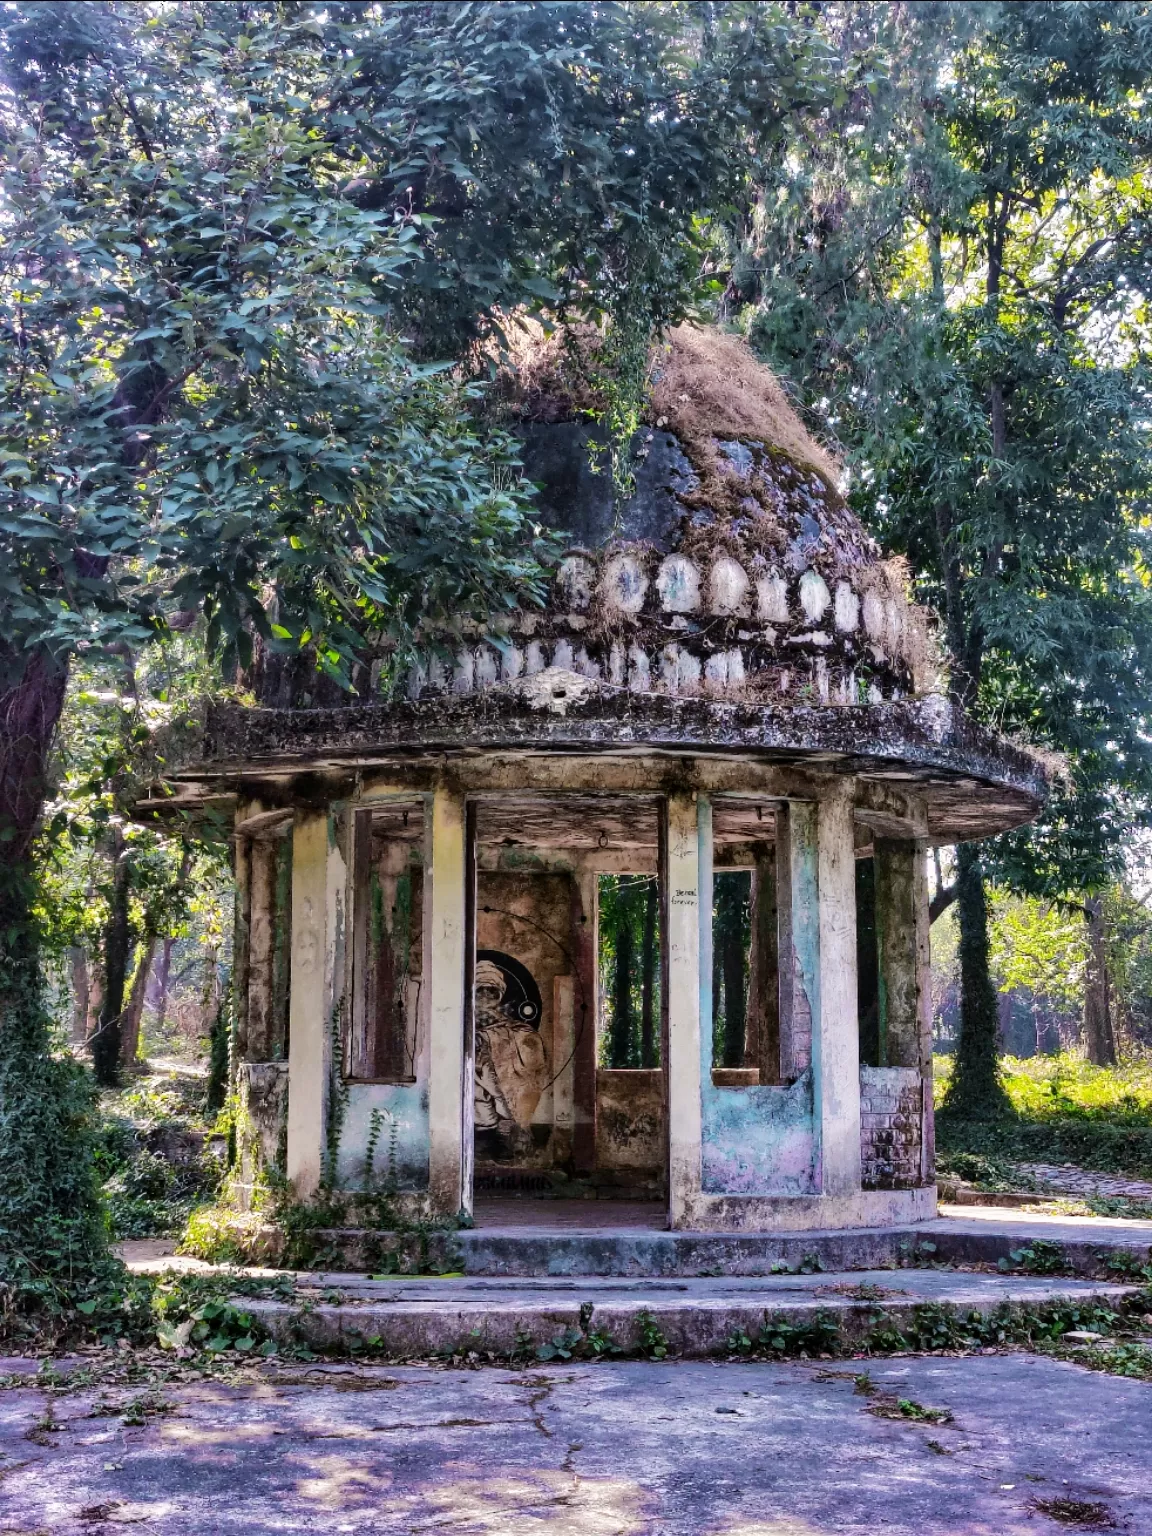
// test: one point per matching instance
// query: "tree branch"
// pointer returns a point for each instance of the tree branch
(940, 903)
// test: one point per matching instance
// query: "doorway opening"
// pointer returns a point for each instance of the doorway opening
(567, 1007)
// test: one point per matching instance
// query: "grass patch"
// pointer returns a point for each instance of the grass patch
(118, 1310)
(1065, 1111)
(147, 1190)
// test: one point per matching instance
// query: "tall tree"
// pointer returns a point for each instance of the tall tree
(240, 244)
(959, 271)
(204, 404)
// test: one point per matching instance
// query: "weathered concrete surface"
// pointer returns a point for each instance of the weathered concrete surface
(407, 1318)
(575, 1237)
(629, 1449)
(914, 740)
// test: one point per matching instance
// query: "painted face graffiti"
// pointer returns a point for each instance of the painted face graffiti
(511, 1067)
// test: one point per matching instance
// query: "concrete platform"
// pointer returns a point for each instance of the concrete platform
(409, 1318)
(606, 1449)
(556, 1242)
(550, 1239)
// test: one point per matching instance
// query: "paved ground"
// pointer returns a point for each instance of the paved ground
(1054, 1228)
(1067, 1178)
(630, 1449)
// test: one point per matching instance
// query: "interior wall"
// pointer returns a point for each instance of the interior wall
(525, 917)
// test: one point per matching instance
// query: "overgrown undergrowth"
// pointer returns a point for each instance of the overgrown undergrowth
(1064, 1111)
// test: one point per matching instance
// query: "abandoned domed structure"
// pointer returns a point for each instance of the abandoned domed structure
(728, 684)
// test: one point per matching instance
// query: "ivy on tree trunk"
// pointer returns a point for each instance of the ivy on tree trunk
(975, 1091)
(1099, 1029)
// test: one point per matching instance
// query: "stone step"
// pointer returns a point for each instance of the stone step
(541, 1249)
(406, 1318)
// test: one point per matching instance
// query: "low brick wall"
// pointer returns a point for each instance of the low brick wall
(890, 1102)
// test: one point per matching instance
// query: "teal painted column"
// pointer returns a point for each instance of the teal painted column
(835, 1023)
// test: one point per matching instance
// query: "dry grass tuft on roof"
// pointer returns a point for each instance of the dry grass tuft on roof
(706, 384)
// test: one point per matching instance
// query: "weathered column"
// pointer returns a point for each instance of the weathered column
(242, 869)
(835, 1028)
(564, 1025)
(687, 978)
(450, 1092)
(314, 922)
(798, 926)
(585, 920)
(261, 946)
(899, 876)
(902, 927)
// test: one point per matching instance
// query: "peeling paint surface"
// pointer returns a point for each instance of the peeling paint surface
(759, 1139)
(401, 1162)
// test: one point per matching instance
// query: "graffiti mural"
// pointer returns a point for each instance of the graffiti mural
(511, 1059)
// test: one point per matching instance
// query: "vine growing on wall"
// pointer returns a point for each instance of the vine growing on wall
(338, 1093)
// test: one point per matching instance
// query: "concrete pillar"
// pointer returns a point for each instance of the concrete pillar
(899, 871)
(835, 1027)
(242, 870)
(924, 997)
(261, 947)
(798, 927)
(902, 926)
(450, 1091)
(564, 1024)
(687, 980)
(314, 936)
(585, 949)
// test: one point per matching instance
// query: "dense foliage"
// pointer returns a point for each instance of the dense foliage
(258, 261)
(957, 275)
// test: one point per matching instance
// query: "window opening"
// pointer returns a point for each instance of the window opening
(388, 941)
(732, 901)
(629, 970)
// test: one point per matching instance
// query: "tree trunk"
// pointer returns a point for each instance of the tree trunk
(1099, 1029)
(975, 1092)
(95, 994)
(735, 983)
(163, 974)
(81, 992)
(51, 1223)
(106, 1040)
(163, 981)
(209, 992)
(648, 977)
(134, 1012)
(31, 698)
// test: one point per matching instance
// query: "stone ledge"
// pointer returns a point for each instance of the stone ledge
(697, 1318)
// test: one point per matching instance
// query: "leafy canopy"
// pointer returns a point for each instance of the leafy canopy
(959, 271)
(205, 401)
(244, 241)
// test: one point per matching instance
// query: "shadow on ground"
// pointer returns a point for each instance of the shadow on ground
(611, 1449)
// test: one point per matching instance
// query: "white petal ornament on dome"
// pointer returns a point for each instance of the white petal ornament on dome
(678, 584)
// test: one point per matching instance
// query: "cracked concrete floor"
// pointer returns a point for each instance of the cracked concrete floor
(608, 1449)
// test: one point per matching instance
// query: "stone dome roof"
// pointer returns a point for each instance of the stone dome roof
(732, 604)
(733, 570)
